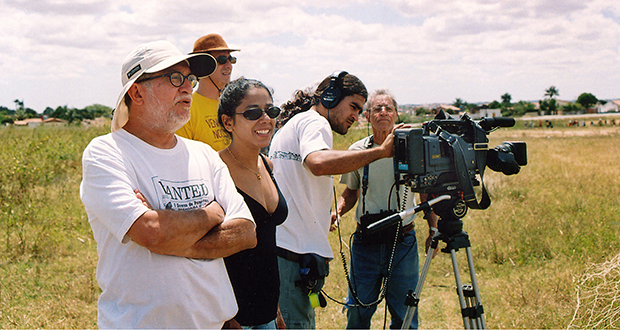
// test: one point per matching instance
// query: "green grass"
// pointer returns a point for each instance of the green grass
(546, 230)
(47, 254)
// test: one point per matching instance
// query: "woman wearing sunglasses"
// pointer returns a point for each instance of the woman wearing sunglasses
(247, 113)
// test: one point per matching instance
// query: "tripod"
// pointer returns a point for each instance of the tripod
(451, 233)
(450, 209)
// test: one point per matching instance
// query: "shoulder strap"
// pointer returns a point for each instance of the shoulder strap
(365, 175)
(265, 163)
(268, 168)
(365, 181)
(469, 196)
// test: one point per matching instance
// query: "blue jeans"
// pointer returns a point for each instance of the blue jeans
(369, 265)
(269, 326)
(295, 306)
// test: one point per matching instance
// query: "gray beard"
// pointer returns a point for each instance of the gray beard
(162, 117)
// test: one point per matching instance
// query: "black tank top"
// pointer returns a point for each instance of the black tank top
(254, 272)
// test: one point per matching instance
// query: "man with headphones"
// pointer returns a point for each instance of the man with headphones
(304, 163)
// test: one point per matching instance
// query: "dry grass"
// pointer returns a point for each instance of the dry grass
(598, 297)
(544, 228)
(540, 250)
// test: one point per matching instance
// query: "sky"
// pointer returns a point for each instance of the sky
(69, 53)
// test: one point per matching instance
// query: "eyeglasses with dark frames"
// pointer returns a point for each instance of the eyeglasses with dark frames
(256, 113)
(222, 59)
(177, 79)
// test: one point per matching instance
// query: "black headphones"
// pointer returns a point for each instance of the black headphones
(331, 95)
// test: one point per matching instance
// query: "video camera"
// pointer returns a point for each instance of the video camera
(446, 154)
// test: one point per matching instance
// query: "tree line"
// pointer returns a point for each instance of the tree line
(547, 106)
(71, 115)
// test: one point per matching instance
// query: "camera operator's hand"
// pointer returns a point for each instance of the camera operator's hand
(334, 222)
(429, 239)
(388, 144)
(432, 220)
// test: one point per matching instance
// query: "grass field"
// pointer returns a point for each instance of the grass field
(550, 235)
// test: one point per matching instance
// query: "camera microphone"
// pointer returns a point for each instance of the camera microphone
(492, 122)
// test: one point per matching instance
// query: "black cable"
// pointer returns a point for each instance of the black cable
(219, 91)
(385, 281)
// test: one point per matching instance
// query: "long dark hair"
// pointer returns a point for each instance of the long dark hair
(233, 94)
(303, 100)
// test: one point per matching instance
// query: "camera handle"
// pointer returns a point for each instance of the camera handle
(397, 217)
(469, 296)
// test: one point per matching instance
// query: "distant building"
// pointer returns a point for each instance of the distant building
(609, 106)
(33, 122)
(483, 113)
(98, 122)
(447, 108)
(30, 122)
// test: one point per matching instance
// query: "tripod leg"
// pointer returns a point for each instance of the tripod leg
(478, 307)
(413, 300)
(470, 299)
(459, 288)
(469, 296)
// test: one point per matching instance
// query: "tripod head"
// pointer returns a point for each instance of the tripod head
(450, 212)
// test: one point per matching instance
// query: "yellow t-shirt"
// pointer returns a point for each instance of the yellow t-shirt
(203, 125)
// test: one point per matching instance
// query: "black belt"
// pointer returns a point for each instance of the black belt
(288, 255)
(404, 229)
(384, 236)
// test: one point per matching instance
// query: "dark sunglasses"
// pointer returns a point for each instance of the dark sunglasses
(223, 58)
(256, 113)
(177, 79)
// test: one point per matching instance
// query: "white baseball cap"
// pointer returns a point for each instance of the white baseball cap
(153, 57)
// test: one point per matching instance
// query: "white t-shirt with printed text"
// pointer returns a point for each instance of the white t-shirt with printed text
(142, 289)
(309, 197)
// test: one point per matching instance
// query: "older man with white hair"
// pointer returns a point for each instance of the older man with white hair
(388, 257)
(163, 209)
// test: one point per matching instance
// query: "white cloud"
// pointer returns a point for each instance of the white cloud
(69, 52)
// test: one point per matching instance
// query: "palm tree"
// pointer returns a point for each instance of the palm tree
(506, 98)
(458, 103)
(18, 104)
(551, 92)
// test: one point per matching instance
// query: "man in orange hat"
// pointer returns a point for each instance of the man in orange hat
(203, 125)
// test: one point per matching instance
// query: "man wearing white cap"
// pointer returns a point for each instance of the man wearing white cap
(163, 209)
